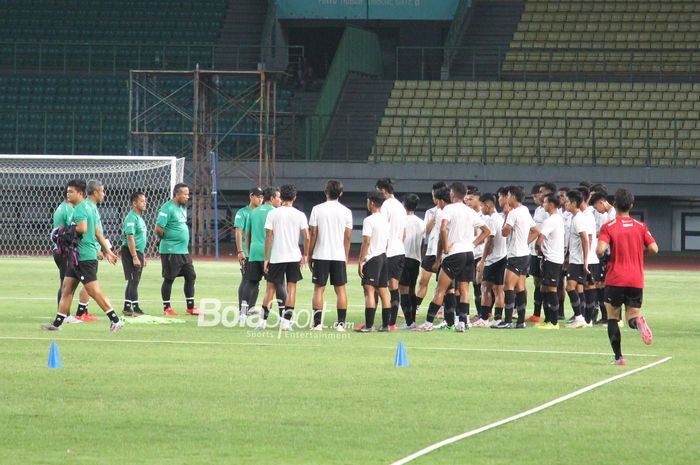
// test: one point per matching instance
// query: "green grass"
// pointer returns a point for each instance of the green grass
(238, 398)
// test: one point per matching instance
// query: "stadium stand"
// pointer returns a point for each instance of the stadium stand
(577, 123)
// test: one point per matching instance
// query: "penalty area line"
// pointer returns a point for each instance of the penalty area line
(551, 403)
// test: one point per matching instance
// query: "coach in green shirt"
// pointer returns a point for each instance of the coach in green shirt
(62, 217)
(246, 298)
(175, 259)
(133, 247)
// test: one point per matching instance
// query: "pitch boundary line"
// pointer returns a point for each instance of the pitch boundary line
(546, 405)
(253, 344)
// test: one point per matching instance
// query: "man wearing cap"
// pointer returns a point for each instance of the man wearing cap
(255, 198)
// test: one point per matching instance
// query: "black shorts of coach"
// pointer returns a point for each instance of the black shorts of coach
(278, 272)
(518, 265)
(550, 273)
(60, 262)
(375, 272)
(535, 266)
(131, 273)
(631, 297)
(459, 266)
(396, 264)
(323, 269)
(409, 275)
(174, 265)
(86, 271)
(254, 271)
(495, 273)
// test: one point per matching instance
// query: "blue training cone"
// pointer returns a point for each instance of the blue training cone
(54, 358)
(401, 360)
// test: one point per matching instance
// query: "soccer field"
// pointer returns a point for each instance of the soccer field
(183, 394)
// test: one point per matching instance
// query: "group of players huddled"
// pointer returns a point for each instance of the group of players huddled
(576, 244)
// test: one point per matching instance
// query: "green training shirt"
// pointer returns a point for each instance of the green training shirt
(134, 225)
(256, 226)
(87, 211)
(239, 222)
(176, 236)
(63, 216)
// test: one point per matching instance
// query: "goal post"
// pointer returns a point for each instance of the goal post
(32, 186)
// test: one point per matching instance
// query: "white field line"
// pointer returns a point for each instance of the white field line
(226, 343)
(474, 432)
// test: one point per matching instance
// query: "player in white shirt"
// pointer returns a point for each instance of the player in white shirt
(577, 271)
(563, 199)
(331, 231)
(605, 213)
(473, 201)
(441, 198)
(283, 259)
(539, 216)
(457, 245)
(396, 252)
(415, 231)
(493, 263)
(590, 292)
(373, 266)
(520, 230)
(551, 244)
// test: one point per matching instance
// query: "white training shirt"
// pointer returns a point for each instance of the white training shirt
(434, 237)
(376, 227)
(553, 245)
(592, 236)
(567, 216)
(426, 219)
(495, 224)
(396, 214)
(331, 219)
(285, 223)
(415, 230)
(521, 221)
(604, 218)
(461, 221)
(540, 216)
(479, 249)
(578, 225)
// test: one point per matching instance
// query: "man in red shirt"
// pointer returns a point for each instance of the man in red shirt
(624, 283)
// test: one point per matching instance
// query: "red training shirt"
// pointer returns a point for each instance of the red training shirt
(627, 238)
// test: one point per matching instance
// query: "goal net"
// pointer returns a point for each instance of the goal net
(32, 186)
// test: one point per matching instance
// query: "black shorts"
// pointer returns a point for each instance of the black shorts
(518, 265)
(459, 266)
(495, 273)
(86, 271)
(131, 273)
(60, 262)
(551, 273)
(575, 273)
(536, 266)
(409, 276)
(396, 266)
(597, 274)
(277, 272)
(376, 271)
(631, 297)
(174, 265)
(336, 269)
(254, 271)
(428, 262)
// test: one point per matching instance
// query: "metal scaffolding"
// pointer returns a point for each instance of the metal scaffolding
(229, 116)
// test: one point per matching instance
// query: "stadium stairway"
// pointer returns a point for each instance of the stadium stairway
(492, 26)
(242, 26)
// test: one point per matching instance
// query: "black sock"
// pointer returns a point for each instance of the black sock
(582, 303)
(615, 338)
(463, 312)
(190, 302)
(632, 323)
(406, 307)
(590, 296)
(575, 303)
(395, 300)
(342, 314)
(432, 311)
(485, 310)
(266, 312)
(166, 305)
(135, 306)
(416, 303)
(449, 316)
(477, 295)
(288, 312)
(601, 304)
(58, 321)
(553, 300)
(82, 309)
(318, 316)
(538, 301)
(386, 316)
(510, 304)
(450, 303)
(498, 313)
(112, 315)
(369, 316)
(127, 305)
(521, 305)
(561, 315)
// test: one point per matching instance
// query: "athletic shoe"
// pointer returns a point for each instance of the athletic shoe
(138, 312)
(643, 327)
(128, 312)
(619, 362)
(317, 328)
(533, 319)
(340, 327)
(115, 327)
(547, 326)
(503, 325)
(425, 327)
(50, 327)
(366, 330)
(589, 324)
(170, 312)
(287, 326)
(570, 320)
(410, 327)
(480, 324)
(70, 320)
(87, 317)
(579, 322)
(441, 325)
(194, 312)
(601, 322)
(383, 329)
(460, 327)
(493, 323)
(392, 328)
(262, 326)
(521, 326)
(359, 328)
